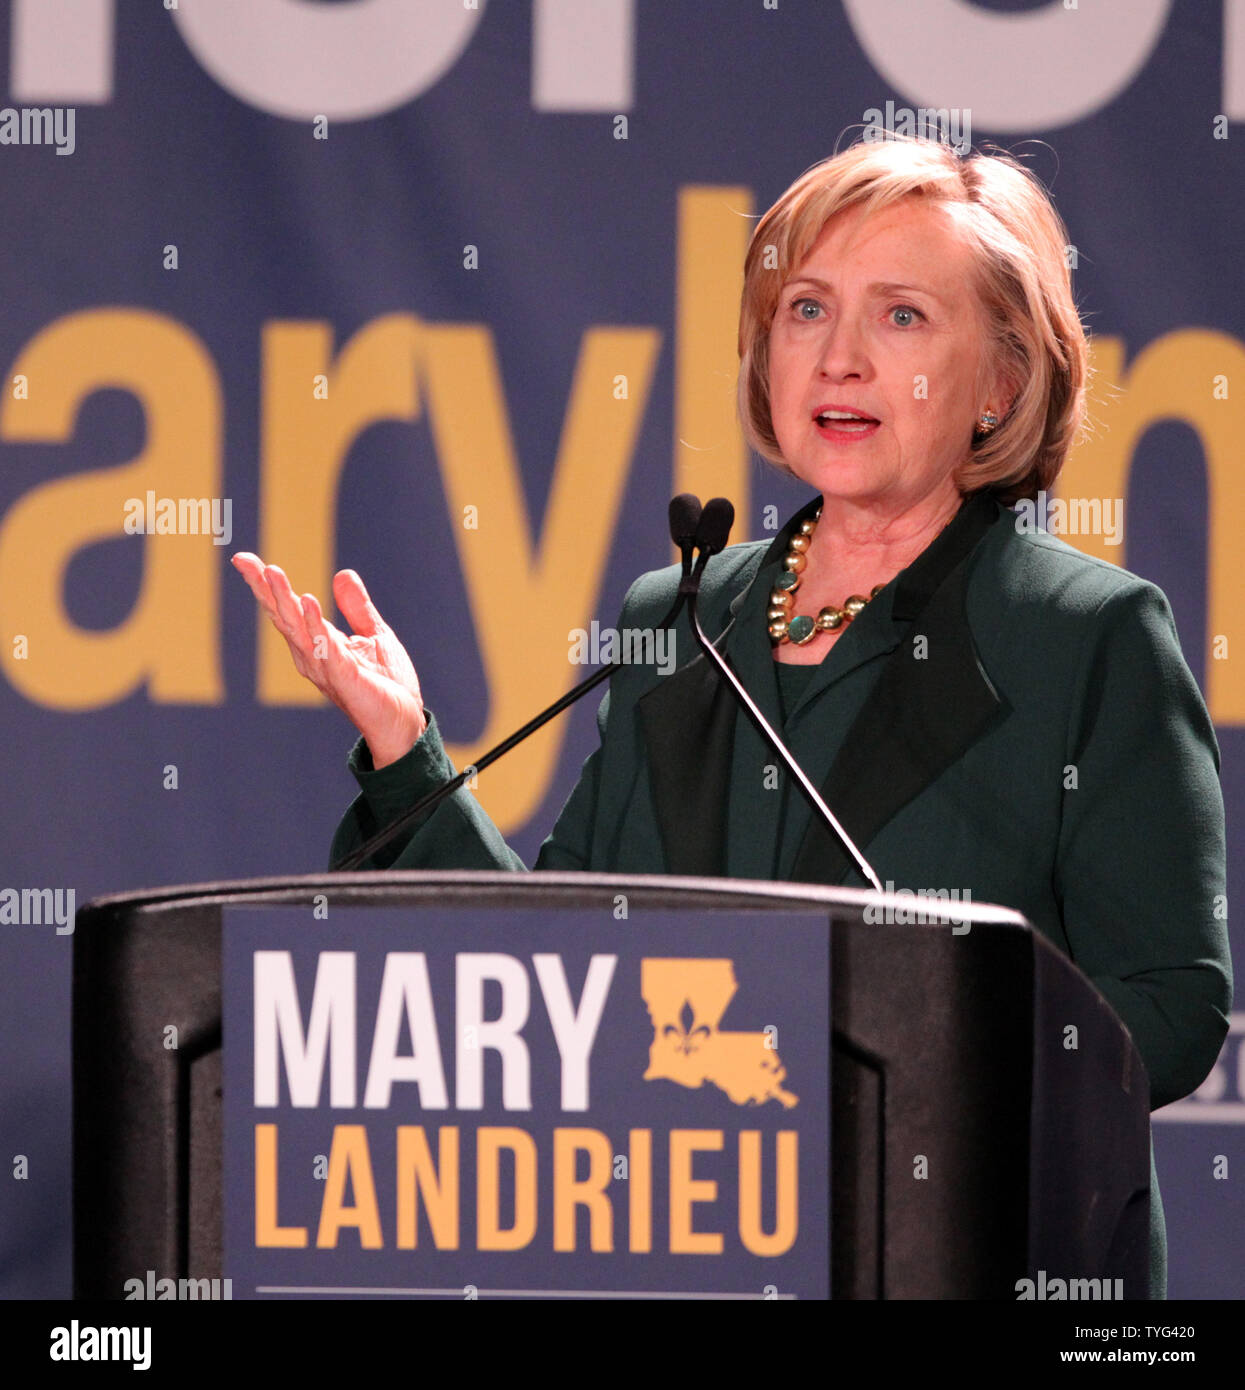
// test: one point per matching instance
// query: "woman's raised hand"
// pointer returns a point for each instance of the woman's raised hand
(368, 676)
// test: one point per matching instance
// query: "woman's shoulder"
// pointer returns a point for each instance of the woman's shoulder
(726, 575)
(1034, 583)
(1040, 568)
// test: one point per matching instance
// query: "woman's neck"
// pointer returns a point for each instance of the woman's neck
(855, 548)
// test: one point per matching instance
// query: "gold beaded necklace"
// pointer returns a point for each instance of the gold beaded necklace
(785, 625)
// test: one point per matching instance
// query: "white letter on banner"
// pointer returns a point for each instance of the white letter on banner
(1014, 72)
(332, 1023)
(1234, 60)
(574, 1032)
(62, 50)
(405, 985)
(583, 56)
(502, 1034)
(344, 61)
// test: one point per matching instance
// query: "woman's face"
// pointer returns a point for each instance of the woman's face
(881, 318)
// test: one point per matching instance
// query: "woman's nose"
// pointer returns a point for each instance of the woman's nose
(843, 351)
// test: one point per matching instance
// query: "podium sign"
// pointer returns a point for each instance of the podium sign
(466, 1102)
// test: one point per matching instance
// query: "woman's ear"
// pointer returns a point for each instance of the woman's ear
(1001, 397)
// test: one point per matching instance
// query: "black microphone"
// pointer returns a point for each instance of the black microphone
(685, 514)
(711, 534)
(686, 520)
(716, 519)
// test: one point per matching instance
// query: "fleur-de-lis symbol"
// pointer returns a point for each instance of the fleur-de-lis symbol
(688, 1038)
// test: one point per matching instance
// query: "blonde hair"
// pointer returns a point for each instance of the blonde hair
(1024, 285)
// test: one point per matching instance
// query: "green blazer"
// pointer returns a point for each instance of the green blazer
(1008, 717)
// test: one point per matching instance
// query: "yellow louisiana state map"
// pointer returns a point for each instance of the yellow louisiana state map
(686, 1000)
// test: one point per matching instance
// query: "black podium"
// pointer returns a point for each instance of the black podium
(950, 1044)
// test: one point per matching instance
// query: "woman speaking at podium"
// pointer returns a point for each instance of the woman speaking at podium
(984, 708)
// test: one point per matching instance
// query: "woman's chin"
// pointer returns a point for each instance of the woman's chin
(847, 482)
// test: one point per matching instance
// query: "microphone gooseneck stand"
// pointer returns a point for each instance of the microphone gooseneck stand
(684, 516)
(715, 527)
(691, 528)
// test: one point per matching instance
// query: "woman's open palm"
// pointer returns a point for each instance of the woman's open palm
(367, 675)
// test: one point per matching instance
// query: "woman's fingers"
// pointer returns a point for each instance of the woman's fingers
(317, 628)
(355, 605)
(251, 568)
(368, 676)
(300, 622)
(290, 610)
(328, 646)
(389, 722)
(272, 588)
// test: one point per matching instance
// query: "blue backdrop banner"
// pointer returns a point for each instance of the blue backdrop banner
(448, 293)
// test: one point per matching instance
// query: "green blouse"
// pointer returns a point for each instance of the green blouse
(792, 681)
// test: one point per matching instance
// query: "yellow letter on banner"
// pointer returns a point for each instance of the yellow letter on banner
(526, 594)
(350, 1165)
(268, 1234)
(710, 456)
(437, 1183)
(1171, 379)
(490, 1234)
(171, 639)
(305, 444)
(571, 1192)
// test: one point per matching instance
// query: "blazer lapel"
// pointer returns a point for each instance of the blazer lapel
(689, 722)
(918, 720)
(932, 701)
(689, 726)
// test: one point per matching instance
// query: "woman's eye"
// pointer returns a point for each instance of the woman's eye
(802, 306)
(906, 309)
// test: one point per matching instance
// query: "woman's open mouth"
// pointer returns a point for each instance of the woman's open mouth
(845, 425)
